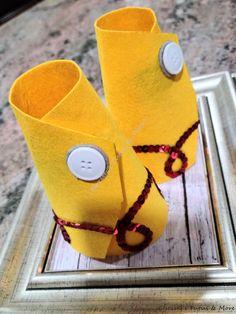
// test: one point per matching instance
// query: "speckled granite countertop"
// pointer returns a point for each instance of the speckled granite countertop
(63, 29)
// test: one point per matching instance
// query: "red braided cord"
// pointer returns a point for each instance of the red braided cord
(123, 225)
(173, 151)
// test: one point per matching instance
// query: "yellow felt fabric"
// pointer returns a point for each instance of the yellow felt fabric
(57, 109)
(150, 107)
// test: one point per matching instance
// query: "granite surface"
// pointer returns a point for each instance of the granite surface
(64, 29)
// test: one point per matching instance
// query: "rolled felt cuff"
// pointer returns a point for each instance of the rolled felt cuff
(58, 110)
(151, 106)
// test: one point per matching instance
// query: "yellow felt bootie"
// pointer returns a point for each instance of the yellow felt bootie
(103, 198)
(148, 89)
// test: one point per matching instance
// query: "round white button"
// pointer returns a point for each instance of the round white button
(171, 58)
(87, 162)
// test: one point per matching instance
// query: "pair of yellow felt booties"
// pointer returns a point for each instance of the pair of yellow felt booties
(98, 165)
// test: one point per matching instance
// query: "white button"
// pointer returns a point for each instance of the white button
(171, 58)
(87, 162)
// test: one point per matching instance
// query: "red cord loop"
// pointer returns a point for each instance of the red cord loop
(173, 151)
(123, 225)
